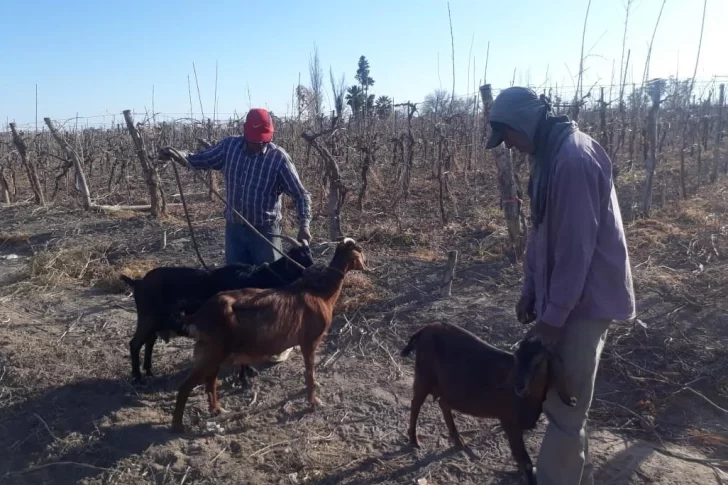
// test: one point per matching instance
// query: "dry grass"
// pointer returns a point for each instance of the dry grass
(53, 267)
(14, 238)
(359, 291)
(110, 282)
(391, 236)
(89, 265)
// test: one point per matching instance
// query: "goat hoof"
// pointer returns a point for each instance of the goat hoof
(252, 371)
(177, 428)
(218, 410)
(316, 403)
(459, 443)
(414, 443)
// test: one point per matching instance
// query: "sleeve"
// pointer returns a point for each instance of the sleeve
(291, 184)
(528, 288)
(210, 158)
(575, 209)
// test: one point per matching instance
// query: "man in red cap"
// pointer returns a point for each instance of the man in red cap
(256, 172)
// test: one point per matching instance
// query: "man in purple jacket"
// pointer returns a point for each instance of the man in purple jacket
(577, 276)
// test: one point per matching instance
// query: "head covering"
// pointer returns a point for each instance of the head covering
(258, 127)
(523, 110)
(518, 108)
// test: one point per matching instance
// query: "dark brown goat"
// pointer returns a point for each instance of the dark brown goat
(246, 326)
(464, 373)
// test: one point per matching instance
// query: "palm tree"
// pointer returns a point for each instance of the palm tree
(355, 99)
(383, 107)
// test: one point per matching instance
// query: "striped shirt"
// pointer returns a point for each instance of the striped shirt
(255, 182)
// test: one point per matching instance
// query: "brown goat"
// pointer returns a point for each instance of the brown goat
(464, 373)
(245, 326)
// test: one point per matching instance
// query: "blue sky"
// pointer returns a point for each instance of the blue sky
(99, 58)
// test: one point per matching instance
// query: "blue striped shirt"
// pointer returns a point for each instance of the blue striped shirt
(255, 183)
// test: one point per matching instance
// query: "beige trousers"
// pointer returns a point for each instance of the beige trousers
(564, 456)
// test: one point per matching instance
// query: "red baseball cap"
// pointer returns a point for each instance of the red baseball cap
(258, 127)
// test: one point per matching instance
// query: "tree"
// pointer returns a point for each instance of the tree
(304, 99)
(355, 98)
(383, 107)
(316, 75)
(362, 74)
(438, 102)
(339, 90)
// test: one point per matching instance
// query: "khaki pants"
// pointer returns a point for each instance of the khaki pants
(564, 456)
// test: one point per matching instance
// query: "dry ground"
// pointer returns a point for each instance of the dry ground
(69, 412)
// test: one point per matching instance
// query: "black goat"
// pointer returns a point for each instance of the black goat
(164, 294)
(464, 373)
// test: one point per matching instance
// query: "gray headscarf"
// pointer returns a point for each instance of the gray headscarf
(523, 110)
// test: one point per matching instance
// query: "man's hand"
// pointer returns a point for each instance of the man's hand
(549, 335)
(304, 235)
(169, 153)
(165, 154)
(526, 309)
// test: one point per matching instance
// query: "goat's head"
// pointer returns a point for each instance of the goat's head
(537, 369)
(300, 252)
(350, 254)
(302, 255)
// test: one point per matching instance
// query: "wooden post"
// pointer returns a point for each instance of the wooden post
(77, 163)
(650, 160)
(449, 274)
(151, 174)
(30, 167)
(506, 183)
(719, 134)
(4, 186)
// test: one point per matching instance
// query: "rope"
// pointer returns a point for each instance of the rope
(187, 216)
(176, 154)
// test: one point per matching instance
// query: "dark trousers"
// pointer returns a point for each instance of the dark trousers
(244, 246)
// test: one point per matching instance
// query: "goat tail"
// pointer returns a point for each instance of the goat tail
(411, 344)
(129, 281)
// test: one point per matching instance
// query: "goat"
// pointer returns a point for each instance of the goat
(244, 326)
(164, 293)
(464, 373)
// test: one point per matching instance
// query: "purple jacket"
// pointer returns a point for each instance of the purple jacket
(577, 263)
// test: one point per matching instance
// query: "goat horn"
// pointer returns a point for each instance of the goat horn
(559, 381)
(289, 239)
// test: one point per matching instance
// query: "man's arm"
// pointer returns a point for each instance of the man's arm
(210, 158)
(291, 184)
(575, 218)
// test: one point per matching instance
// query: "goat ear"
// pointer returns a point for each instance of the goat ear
(559, 379)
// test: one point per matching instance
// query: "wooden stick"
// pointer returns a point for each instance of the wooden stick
(449, 275)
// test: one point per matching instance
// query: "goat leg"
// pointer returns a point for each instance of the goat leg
(309, 352)
(135, 347)
(520, 454)
(148, 347)
(204, 367)
(447, 414)
(211, 391)
(418, 398)
(247, 372)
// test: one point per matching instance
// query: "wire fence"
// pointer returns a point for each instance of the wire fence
(566, 94)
